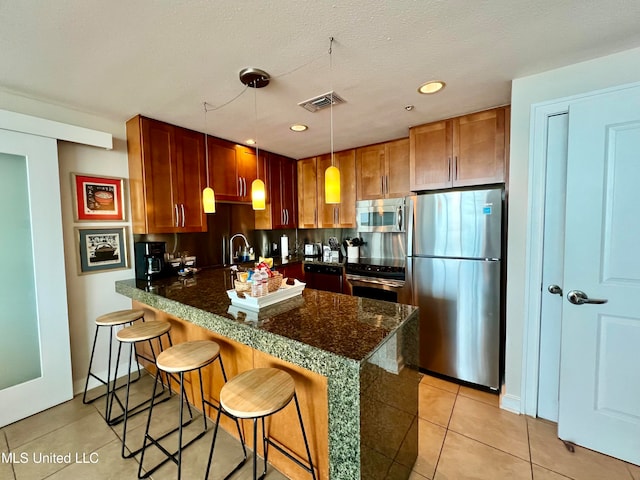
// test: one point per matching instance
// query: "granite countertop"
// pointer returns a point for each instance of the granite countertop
(335, 324)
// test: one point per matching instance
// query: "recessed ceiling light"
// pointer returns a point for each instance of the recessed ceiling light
(251, 141)
(431, 87)
(298, 127)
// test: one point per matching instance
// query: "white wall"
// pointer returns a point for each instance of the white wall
(88, 295)
(609, 71)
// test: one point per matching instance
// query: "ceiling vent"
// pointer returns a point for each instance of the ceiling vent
(323, 101)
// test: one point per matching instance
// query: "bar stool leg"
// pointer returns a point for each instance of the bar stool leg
(304, 437)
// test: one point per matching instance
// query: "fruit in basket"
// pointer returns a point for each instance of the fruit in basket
(268, 261)
(243, 276)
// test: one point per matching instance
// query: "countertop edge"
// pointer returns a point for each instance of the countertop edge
(293, 351)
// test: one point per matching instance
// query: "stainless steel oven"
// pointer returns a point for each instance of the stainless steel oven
(383, 216)
(379, 279)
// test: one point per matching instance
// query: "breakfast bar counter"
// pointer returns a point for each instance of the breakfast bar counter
(361, 352)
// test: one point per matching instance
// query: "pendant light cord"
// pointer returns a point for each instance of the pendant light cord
(255, 112)
(331, 106)
(206, 143)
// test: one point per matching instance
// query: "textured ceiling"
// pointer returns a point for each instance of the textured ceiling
(164, 58)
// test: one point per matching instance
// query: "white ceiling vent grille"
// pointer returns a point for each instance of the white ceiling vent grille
(323, 101)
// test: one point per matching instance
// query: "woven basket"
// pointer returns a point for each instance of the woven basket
(242, 287)
(275, 282)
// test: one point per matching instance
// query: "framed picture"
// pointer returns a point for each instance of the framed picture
(102, 249)
(98, 198)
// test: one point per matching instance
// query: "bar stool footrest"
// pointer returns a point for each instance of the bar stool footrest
(169, 455)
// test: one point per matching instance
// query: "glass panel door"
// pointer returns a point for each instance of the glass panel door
(20, 339)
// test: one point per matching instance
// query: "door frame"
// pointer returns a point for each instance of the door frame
(540, 113)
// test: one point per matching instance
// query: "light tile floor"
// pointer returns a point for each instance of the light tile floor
(462, 435)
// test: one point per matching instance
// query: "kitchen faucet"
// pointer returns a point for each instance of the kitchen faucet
(246, 243)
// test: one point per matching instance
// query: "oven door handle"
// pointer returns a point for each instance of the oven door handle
(354, 279)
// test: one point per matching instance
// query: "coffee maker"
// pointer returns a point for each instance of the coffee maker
(150, 260)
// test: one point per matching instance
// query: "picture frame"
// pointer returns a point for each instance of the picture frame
(98, 198)
(102, 249)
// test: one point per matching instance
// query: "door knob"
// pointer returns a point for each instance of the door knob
(578, 297)
(555, 289)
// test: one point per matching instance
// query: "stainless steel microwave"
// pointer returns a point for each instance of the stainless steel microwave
(385, 215)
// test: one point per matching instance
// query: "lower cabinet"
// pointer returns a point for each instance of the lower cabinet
(311, 389)
(324, 277)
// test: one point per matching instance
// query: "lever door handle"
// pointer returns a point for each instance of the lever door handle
(555, 289)
(578, 297)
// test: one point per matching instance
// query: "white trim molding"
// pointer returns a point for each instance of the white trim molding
(19, 122)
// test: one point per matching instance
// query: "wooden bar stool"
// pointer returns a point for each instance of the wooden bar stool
(256, 394)
(140, 332)
(110, 320)
(179, 359)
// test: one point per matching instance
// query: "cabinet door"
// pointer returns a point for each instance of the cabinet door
(158, 156)
(247, 171)
(284, 205)
(189, 180)
(397, 168)
(327, 213)
(479, 148)
(430, 156)
(223, 169)
(307, 195)
(370, 167)
(346, 162)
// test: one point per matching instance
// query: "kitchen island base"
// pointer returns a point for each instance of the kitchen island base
(354, 361)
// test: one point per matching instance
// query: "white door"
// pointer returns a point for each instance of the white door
(600, 351)
(552, 266)
(34, 343)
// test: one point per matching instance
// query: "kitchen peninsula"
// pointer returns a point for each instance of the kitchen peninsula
(354, 361)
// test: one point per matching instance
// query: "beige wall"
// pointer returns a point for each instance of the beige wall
(605, 72)
(87, 295)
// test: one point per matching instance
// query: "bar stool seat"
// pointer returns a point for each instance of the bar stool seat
(256, 394)
(139, 332)
(180, 359)
(188, 356)
(110, 320)
(120, 317)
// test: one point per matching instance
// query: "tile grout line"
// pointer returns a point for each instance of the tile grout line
(435, 470)
(6, 441)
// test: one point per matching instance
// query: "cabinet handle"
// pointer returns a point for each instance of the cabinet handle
(182, 209)
(287, 210)
(449, 169)
(284, 212)
(386, 183)
(244, 187)
(175, 208)
(382, 183)
(455, 162)
(239, 186)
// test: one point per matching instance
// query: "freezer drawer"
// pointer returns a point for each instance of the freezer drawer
(459, 304)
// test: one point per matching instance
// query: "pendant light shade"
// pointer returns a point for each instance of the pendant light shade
(209, 200)
(332, 185)
(258, 195)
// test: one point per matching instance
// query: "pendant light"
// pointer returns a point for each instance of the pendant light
(208, 195)
(331, 174)
(256, 78)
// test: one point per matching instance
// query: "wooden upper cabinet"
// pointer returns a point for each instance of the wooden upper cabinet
(430, 149)
(284, 192)
(383, 170)
(370, 167)
(307, 194)
(342, 215)
(463, 151)
(232, 169)
(479, 148)
(166, 176)
(223, 169)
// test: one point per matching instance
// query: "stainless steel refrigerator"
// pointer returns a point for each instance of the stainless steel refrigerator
(454, 250)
